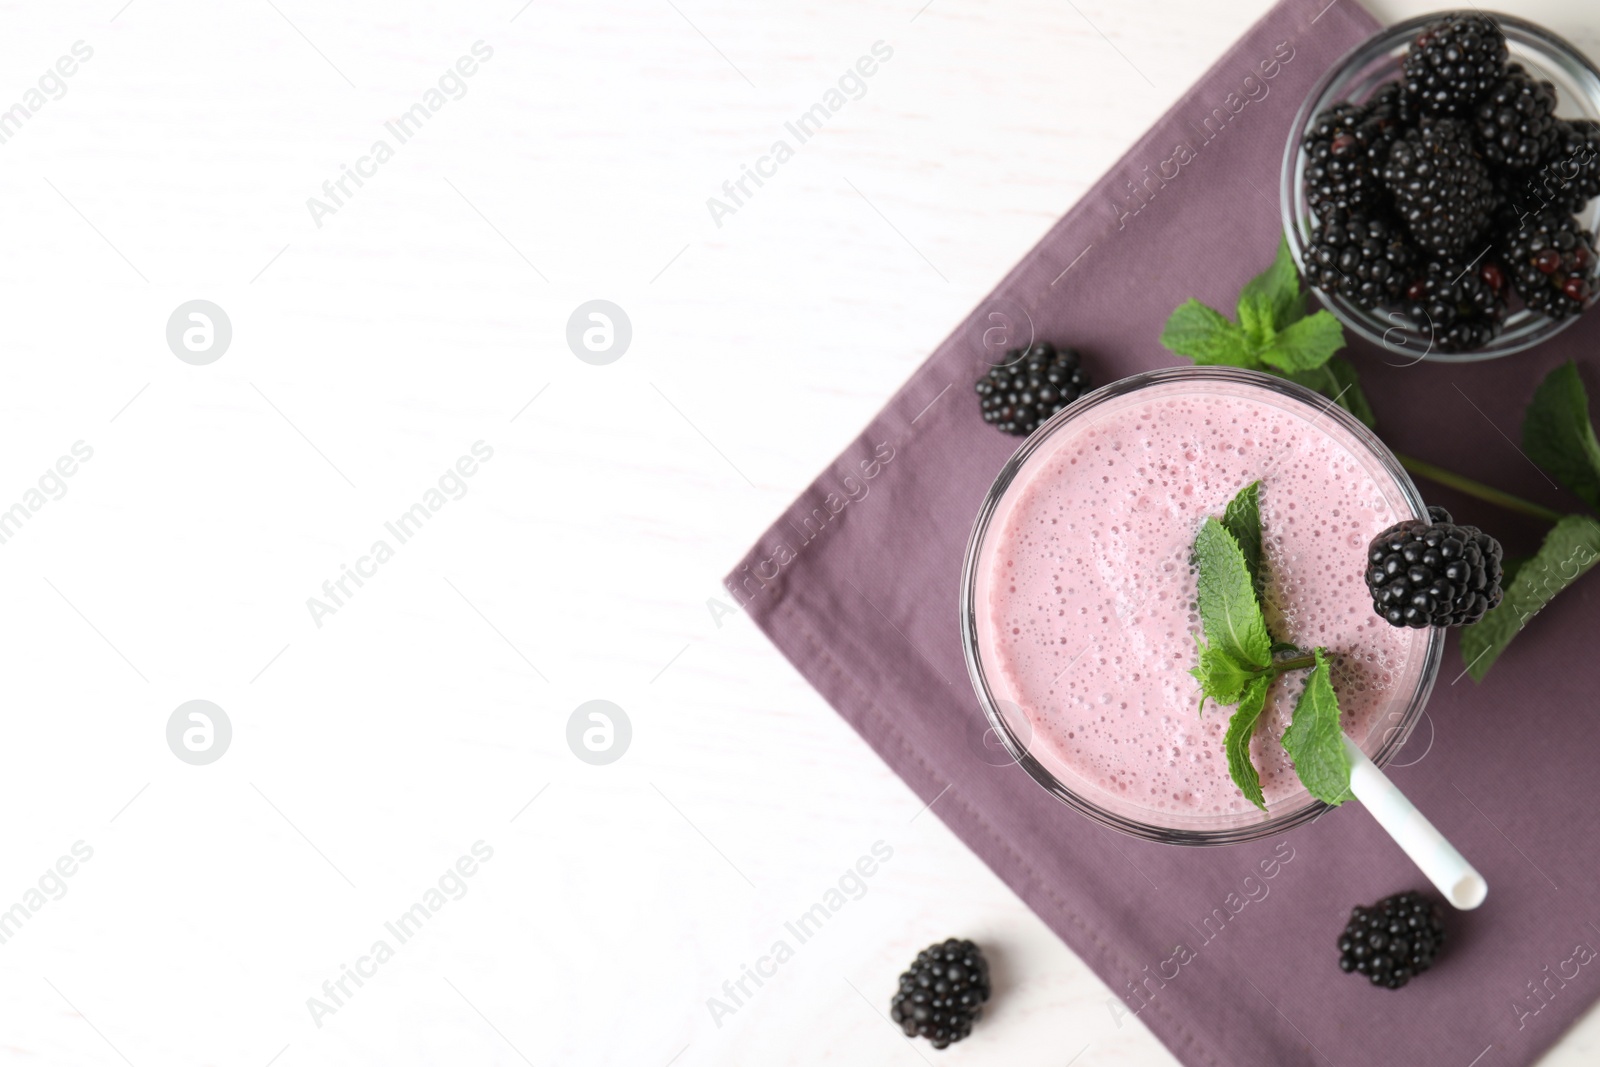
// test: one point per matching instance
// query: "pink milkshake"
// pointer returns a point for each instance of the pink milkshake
(1081, 594)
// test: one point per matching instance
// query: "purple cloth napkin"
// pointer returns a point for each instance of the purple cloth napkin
(857, 585)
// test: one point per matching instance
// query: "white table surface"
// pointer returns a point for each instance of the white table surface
(371, 352)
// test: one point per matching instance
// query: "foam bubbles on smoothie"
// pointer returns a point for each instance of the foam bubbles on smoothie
(1091, 615)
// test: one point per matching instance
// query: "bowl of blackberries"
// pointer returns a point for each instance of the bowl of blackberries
(1441, 186)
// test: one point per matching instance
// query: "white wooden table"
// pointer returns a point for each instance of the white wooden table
(374, 340)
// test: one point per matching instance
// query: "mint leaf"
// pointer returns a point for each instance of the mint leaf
(1206, 336)
(1338, 381)
(1347, 390)
(1315, 740)
(1558, 436)
(1237, 740)
(1242, 518)
(1570, 548)
(1237, 663)
(1230, 615)
(1222, 678)
(1272, 298)
(1255, 320)
(1306, 344)
(1273, 333)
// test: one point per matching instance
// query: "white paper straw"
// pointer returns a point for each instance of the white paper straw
(1437, 858)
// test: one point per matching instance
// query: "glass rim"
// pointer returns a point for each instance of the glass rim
(1269, 825)
(1399, 334)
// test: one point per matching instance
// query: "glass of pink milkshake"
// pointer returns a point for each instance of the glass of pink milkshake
(1078, 607)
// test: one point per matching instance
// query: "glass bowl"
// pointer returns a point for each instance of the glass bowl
(1011, 725)
(1355, 78)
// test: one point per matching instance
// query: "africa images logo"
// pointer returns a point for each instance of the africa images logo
(338, 591)
(450, 885)
(451, 85)
(852, 82)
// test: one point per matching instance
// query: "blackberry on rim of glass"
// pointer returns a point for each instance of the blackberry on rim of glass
(1433, 572)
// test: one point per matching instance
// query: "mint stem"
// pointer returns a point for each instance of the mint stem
(1295, 664)
(1475, 488)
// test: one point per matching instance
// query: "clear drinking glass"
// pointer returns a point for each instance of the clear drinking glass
(1012, 726)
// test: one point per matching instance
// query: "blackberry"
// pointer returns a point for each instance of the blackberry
(1441, 187)
(1030, 386)
(1524, 194)
(1333, 120)
(1458, 307)
(1366, 258)
(1569, 176)
(1516, 121)
(1393, 941)
(942, 993)
(1390, 106)
(1345, 151)
(1551, 260)
(1433, 573)
(1453, 63)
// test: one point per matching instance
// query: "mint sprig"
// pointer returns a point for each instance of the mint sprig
(1315, 740)
(1273, 334)
(1222, 678)
(1274, 295)
(1239, 660)
(1337, 379)
(1559, 436)
(1230, 611)
(1570, 549)
(1236, 742)
(1242, 518)
(1206, 336)
(1305, 345)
